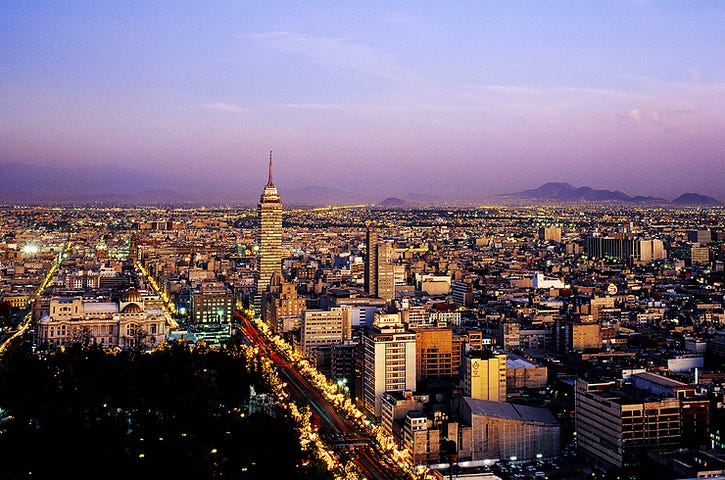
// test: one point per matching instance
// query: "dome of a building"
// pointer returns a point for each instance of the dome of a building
(132, 295)
(131, 308)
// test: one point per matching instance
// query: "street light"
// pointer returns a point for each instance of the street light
(341, 385)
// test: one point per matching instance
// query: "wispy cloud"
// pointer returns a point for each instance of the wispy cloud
(336, 51)
(634, 114)
(224, 107)
(657, 116)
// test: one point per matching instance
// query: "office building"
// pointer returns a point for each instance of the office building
(462, 293)
(550, 234)
(389, 360)
(343, 364)
(323, 328)
(282, 307)
(622, 248)
(650, 250)
(270, 237)
(379, 271)
(438, 353)
(484, 375)
(618, 420)
(701, 237)
(699, 255)
(212, 303)
(577, 336)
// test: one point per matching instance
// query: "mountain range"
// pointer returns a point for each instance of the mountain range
(695, 199)
(26, 183)
(564, 192)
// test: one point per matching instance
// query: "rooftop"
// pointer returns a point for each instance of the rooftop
(510, 411)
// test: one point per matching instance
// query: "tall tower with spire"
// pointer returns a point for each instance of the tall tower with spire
(270, 237)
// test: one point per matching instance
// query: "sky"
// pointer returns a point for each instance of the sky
(455, 99)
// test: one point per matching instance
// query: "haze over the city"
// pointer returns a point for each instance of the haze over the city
(461, 100)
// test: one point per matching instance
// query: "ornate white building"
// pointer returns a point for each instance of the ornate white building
(123, 324)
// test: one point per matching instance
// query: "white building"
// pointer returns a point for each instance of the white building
(321, 328)
(540, 281)
(123, 324)
(388, 361)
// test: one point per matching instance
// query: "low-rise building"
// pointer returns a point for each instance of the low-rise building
(124, 324)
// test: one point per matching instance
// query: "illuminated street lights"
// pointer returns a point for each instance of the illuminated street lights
(30, 249)
(342, 386)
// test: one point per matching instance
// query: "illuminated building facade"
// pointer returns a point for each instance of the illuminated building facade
(616, 421)
(282, 307)
(389, 361)
(484, 377)
(270, 237)
(379, 272)
(323, 328)
(212, 303)
(114, 324)
(438, 353)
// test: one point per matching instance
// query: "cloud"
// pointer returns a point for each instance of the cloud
(336, 51)
(224, 107)
(634, 114)
(656, 116)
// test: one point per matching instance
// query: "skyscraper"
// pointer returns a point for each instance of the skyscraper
(371, 260)
(270, 237)
(379, 272)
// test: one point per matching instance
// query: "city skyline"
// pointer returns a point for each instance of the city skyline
(463, 101)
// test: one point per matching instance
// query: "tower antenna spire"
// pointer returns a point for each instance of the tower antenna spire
(270, 168)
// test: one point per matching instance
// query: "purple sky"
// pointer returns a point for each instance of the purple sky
(453, 99)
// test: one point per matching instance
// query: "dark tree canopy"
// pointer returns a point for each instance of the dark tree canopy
(177, 412)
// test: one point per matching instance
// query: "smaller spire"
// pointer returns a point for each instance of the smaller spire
(270, 169)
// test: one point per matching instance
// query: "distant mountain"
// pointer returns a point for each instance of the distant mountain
(315, 196)
(26, 183)
(393, 202)
(697, 200)
(422, 198)
(565, 192)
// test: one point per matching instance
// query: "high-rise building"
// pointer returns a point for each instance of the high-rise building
(282, 307)
(212, 303)
(617, 421)
(622, 248)
(699, 255)
(379, 272)
(652, 249)
(343, 357)
(612, 248)
(577, 336)
(388, 360)
(462, 293)
(702, 237)
(371, 260)
(551, 233)
(270, 237)
(484, 377)
(438, 353)
(323, 328)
